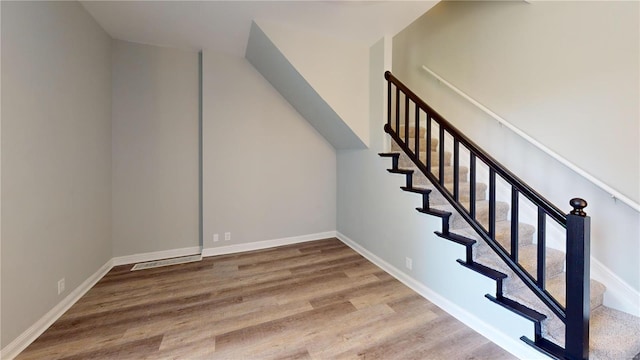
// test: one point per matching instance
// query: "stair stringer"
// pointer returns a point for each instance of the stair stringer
(549, 329)
(614, 222)
(438, 279)
(497, 295)
(619, 295)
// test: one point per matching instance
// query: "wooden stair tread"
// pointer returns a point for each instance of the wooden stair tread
(518, 308)
(416, 189)
(484, 270)
(456, 238)
(400, 171)
(434, 212)
(389, 154)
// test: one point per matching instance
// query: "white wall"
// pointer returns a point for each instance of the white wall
(155, 148)
(56, 156)
(267, 173)
(571, 85)
(336, 69)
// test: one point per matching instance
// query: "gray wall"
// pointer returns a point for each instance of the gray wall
(85, 178)
(546, 68)
(155, 148)
(570, 84)
(56, 156)
(268, 174)
(378, 216)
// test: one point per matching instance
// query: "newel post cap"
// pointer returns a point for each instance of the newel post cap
(578, 204)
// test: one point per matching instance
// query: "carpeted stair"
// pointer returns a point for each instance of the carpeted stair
(613, 334)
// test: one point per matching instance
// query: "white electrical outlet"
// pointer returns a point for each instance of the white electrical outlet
(408, 263)
(60, 286)
(215, 237)
(227, 236)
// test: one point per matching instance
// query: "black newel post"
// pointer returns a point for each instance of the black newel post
(578, 301)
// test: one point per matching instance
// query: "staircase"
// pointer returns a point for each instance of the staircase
(531, 279)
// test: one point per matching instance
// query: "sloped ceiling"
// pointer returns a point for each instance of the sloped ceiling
(277, 68)
(224, 25)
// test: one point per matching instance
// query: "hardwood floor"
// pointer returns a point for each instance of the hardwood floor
(315, 300)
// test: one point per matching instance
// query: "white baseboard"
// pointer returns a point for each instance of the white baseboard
(265, 244)
(515, 347)
(619, 295)
(156, 255)
(31, 334)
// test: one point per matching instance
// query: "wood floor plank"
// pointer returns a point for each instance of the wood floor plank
(266, 340)
(314, 300)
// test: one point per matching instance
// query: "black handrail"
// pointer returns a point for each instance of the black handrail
(523, 188)
(576, 310)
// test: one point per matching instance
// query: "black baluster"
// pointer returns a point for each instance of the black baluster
(515, 228)
(397, 111)
(456, 169)
(542, 248)
(388, 99)
(417, 132)
(492, 203)
(441, 156)
(406, 120)
(472, 185)
(428, 149)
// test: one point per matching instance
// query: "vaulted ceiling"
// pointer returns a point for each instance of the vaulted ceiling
(224, 25)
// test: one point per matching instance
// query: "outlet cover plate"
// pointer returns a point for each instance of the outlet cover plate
(60, 286)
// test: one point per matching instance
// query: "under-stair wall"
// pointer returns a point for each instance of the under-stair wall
(260, 160)
(615, 225)
(380, 221)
